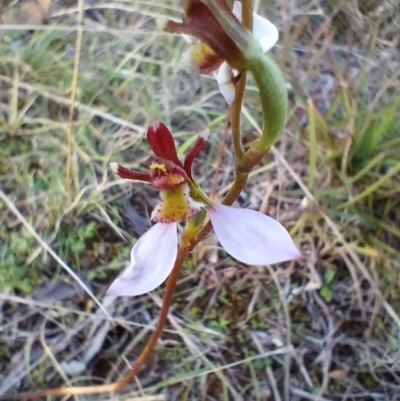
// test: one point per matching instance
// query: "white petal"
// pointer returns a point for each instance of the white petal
(152, 259)
(224, 80)
(263, 30)
(252, 237)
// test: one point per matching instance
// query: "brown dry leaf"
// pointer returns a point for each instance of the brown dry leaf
(28, 14)
(45, 4)
(32, 13)
(338, 374)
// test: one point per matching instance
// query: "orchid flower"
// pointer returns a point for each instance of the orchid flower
(249, 236)
(214, 51)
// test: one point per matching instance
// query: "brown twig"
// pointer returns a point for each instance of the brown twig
(235, 118)
(247, 14)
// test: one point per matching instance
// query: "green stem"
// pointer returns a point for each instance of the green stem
(268, 76)
(274, 101)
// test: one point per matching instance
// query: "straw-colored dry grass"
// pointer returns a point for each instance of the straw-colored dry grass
(326, 327)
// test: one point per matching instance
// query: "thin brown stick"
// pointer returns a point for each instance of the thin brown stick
(247, 14)
(240, 86)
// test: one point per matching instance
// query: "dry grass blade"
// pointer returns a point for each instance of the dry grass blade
(73, 95)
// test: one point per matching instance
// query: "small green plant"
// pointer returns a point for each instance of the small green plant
(75, 240)
(21, 266)
(374, 132)
(326, 290)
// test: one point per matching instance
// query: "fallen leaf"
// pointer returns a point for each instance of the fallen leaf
(338, 374)
(45, 4)
(32, 13)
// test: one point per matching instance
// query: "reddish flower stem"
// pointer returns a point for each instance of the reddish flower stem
(247, 15)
